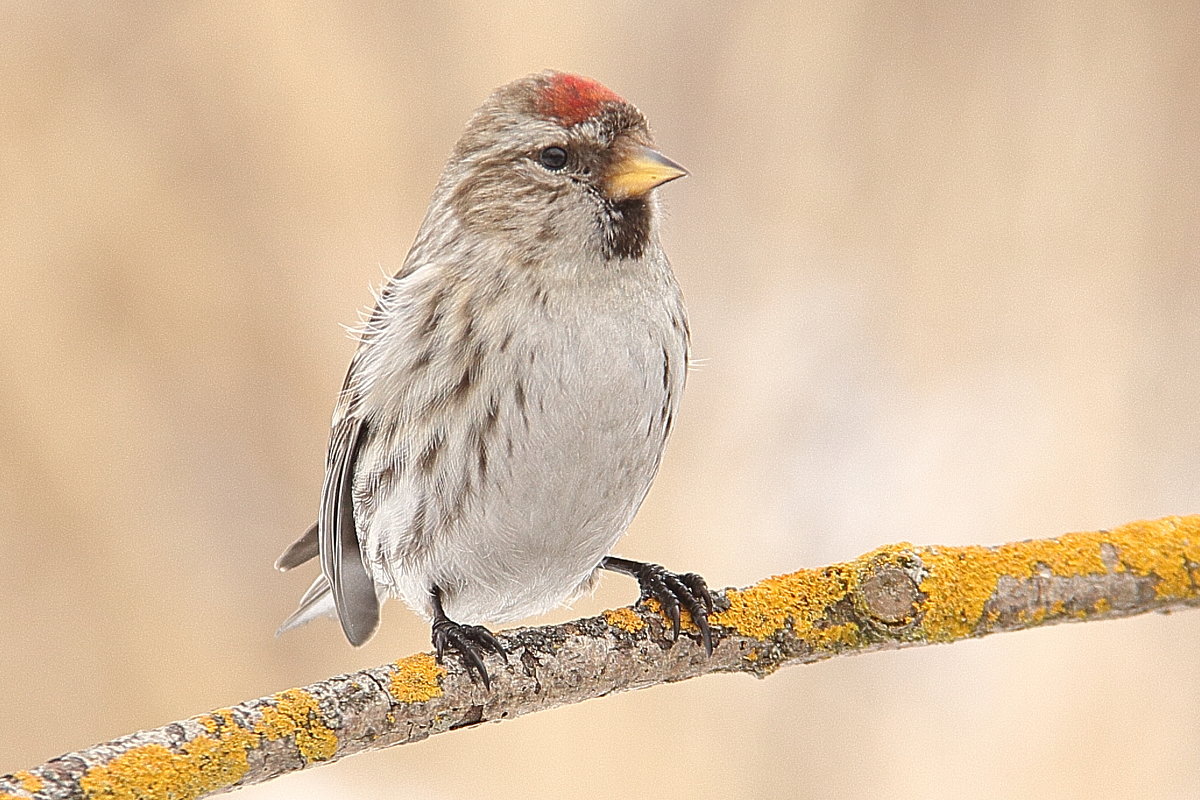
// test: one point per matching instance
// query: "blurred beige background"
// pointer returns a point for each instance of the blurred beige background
(942, 269)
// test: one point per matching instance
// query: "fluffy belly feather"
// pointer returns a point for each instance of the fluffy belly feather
(576, 442)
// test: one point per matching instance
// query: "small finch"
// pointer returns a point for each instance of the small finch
(514, 387)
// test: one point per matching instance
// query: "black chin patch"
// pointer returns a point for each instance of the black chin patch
(624, 228)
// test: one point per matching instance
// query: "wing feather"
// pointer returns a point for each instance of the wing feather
(353, 588)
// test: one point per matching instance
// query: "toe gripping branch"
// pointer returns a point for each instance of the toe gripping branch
(468, 640)
(672, 591)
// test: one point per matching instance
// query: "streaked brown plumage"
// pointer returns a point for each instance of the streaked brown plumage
(515, 385)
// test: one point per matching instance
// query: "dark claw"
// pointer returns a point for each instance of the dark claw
(699, 603)
(672, 591)
(466, 639)
(665, 588)
(699, 589)
(489, 641)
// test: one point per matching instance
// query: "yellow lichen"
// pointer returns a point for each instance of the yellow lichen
(220, 762)
(29, 782)
(149, 771)
(216, 760)
(803, 597)
(957, 584)
(205, 764)
(626, 619)
(295, 713)
(685, 616)
(960, 580)
(227, 730)
(417, 678)
(1167, 547)
(847, 635)
(153, 771)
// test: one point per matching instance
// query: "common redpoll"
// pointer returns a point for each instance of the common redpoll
(514, 387)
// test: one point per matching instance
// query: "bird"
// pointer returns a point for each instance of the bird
(514, 386)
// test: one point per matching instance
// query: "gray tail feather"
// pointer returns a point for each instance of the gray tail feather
(316, 602)
(300, 551)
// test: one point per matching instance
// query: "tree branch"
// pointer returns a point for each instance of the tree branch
(896, 596)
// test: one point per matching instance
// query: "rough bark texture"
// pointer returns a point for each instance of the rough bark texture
(896, 596)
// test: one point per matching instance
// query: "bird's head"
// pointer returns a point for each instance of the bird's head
(555, 161)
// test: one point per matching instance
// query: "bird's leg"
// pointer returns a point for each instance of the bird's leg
(671, 590)
(466, 639)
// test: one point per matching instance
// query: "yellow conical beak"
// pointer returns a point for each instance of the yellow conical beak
(639, 172)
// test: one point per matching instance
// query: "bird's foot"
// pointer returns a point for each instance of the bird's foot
(672, 591)
(468, 640)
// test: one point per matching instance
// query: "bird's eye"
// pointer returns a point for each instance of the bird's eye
(553, 158)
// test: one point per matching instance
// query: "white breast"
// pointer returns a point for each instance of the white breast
(571, 416)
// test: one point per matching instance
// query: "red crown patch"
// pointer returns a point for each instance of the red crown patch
(571, 99)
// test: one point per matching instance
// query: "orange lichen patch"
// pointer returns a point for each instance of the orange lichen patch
(220, 762)
(804, 597)
(221, 720)
(807, 598)
(416, 679)
(153, 771)
(685, 616)
(960, 580)
(1037, 616)
(29, 782)
(1167, 547)
(149, 771)
(626, 619)
(1102, 605)
(296, 713)
(203, 765)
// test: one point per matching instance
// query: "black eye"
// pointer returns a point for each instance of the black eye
(553, 158)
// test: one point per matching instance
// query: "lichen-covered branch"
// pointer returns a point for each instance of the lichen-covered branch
(896, 596)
